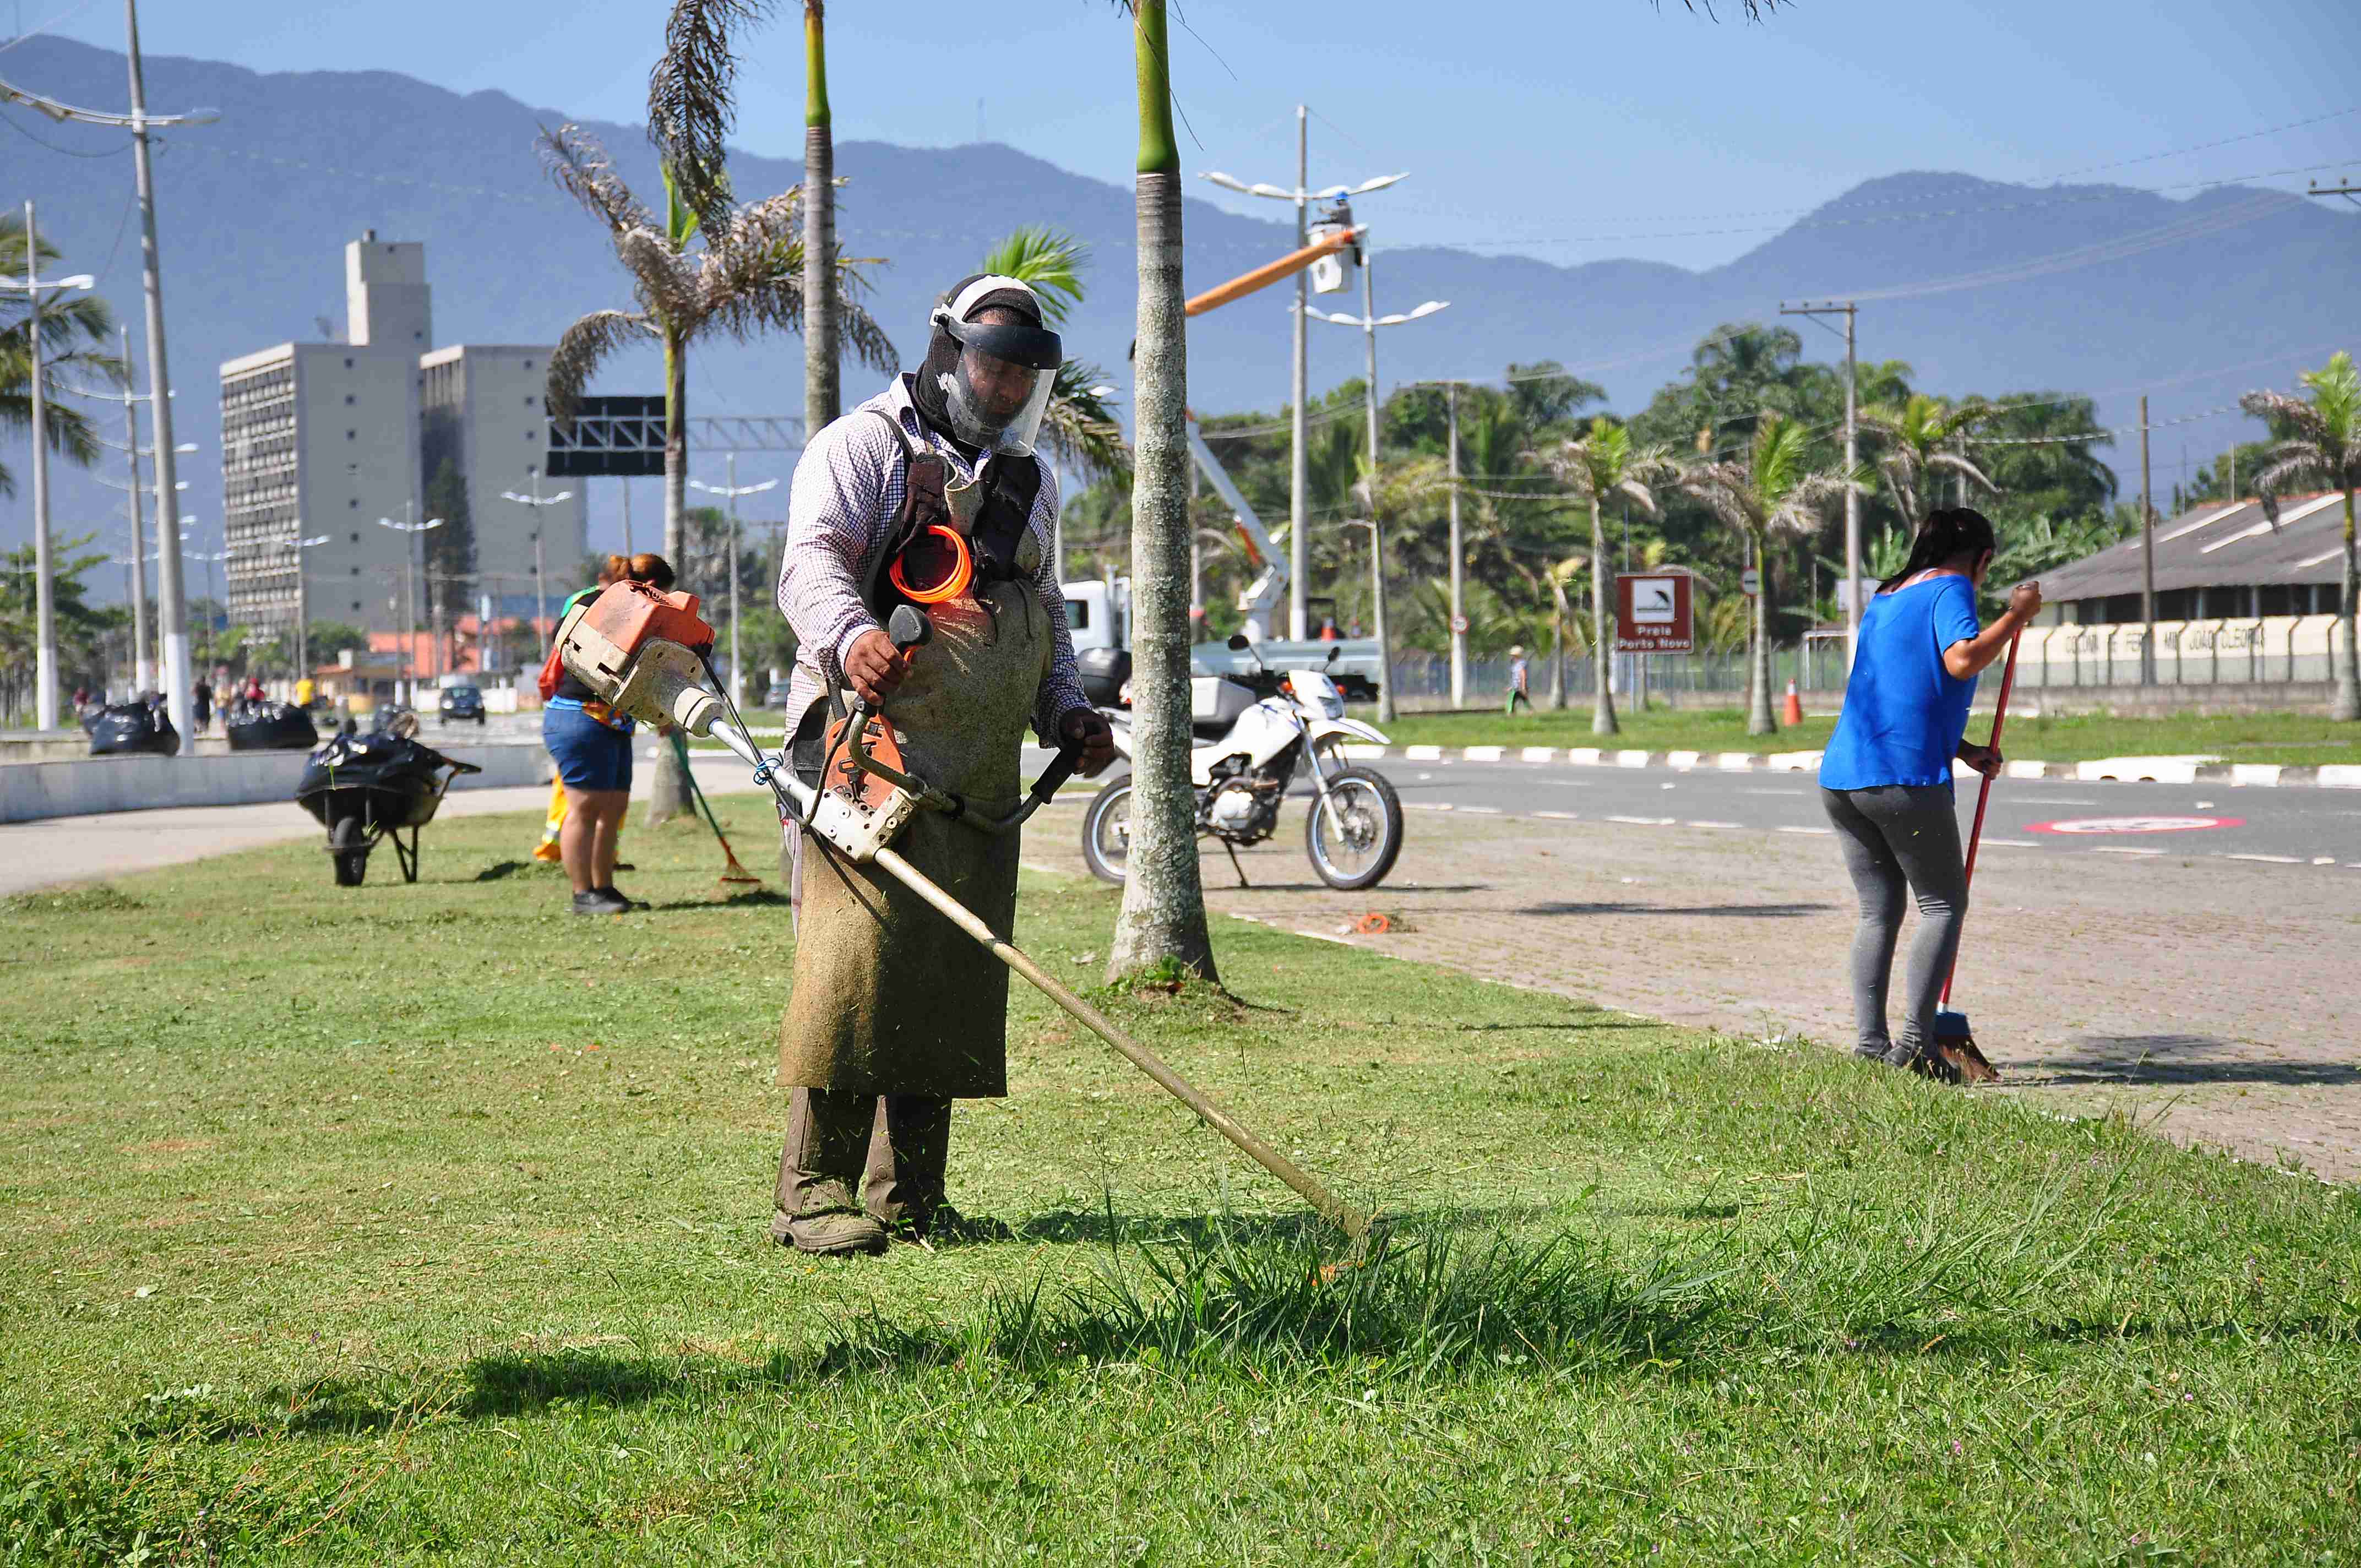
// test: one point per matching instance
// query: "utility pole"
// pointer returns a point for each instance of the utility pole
(1458, 568)
(1376, 523)
(2148, 559)
(143, 677)
(731, 491)
(627, 516)
(1850, 310)
(537, 500)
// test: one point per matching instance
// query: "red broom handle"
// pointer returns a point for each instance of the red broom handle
(1983, 793)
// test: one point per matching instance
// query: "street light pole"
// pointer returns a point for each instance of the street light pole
(45, 613)
(143, 676)
(1851, 310)
(1458, 572)
(731, 491)
(304, 603)
(409, 531)
(536, 501)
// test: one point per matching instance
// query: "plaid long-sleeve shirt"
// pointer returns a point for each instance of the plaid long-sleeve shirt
(840, 509)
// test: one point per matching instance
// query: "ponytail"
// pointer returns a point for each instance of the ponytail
(651, 569)
(1948, 535)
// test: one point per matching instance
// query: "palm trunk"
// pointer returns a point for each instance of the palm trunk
(1758, 714)
(668, 786)
(1557, 646)
(1602, 709)
(2348, 658)
(1163, 914)
(822, 394)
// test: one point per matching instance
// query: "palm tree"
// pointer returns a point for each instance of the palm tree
(1772, 490)
(745, 279)
(1923, 436)
(72, 326)
(2322, 445)
(1162, 922)
(1080, 431)
(1604, 464)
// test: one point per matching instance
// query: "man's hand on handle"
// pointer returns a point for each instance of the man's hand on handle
(874, 667)
(1085, 728)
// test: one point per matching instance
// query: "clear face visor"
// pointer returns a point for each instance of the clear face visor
(1000, 386)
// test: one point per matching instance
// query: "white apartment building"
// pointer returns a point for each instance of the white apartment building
(323, 439)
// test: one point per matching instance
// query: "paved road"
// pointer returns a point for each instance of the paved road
(2210, 984)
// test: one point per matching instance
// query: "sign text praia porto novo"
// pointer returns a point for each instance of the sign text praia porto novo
(1652, 613)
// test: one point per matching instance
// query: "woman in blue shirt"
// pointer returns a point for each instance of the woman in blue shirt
(1885, 778)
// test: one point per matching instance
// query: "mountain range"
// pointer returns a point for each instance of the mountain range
(1983, 287)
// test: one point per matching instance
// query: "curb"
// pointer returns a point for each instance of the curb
(2125, 770)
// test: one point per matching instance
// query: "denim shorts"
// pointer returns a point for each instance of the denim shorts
(589, 755)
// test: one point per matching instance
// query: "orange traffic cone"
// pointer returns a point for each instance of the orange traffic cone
(1795, 713)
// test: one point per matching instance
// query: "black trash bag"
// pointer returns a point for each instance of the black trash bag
(387, 781)
(1103, 672)
(131, 729)
(269, 726)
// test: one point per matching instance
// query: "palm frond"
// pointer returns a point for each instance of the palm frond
(691, 107)
(1078, 428)
(579, 352)
(1049, 261)
(2278, 408)
(1954, 463)
(665, 280)
(572, 158)
(2293, 463)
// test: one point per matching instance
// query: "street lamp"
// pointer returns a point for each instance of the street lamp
(1299, 488)
(45, 615)
(1369, 322)
(731, 491)
(304, 604)
(172, 598)
(144, 669)
(537, 500)
(409, 596)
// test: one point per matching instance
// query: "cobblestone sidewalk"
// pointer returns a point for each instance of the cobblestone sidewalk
(2198, 996)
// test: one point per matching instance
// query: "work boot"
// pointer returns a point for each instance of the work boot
(597, 901)
(819, 1164)
(909, 1148)
(622, 899)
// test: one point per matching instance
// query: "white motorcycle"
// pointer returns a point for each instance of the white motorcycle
(1249, 749)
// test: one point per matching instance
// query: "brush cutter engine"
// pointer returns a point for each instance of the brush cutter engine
(641, 650)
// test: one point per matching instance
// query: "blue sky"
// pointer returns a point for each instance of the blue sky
(1693, 141)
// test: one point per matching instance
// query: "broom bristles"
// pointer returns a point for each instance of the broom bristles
(1969, 1061)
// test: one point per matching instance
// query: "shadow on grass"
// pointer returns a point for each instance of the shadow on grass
(501, 871)
(1583, 1025)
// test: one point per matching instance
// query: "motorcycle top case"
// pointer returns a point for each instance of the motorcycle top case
(270, 726)
(131, 729)
(385, 776)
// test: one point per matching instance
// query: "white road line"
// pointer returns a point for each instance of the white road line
(1481, 810)
(1559, 815)
(1817, 831)
(1704, 824)
(2013, 843)
(2323, 860)
(1427, 804)
(1771, 792)
(2122, 849)
(1643, 821)
(2273, 859)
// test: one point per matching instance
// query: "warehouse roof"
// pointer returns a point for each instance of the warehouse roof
(2218, 545)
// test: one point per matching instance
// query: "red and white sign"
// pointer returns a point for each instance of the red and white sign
(2135, 823)
(1459, 623)
(1652, 613)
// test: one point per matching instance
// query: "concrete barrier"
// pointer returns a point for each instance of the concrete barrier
(30, 791)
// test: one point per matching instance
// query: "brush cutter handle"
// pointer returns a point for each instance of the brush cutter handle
(1983, 791)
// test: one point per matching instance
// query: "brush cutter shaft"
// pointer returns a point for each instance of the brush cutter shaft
(1350, 1221)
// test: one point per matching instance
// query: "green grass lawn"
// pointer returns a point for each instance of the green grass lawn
(426, 1223)
(2287, 738)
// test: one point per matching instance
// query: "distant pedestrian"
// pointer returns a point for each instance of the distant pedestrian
(253, 692)
(1885, 779)
(1520, 677)
(201, 704)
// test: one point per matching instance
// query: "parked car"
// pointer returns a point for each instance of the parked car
(460, 702)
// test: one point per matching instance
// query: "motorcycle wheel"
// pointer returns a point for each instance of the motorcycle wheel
(1106, 831)
(1358, 848)
(349, 852)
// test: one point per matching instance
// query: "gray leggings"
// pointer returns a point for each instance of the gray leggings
(1898, 840)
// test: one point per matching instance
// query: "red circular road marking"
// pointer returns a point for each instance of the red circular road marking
(2135, 823)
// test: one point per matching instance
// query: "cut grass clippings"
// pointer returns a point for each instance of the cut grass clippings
(2289, 738)
(409, 1222)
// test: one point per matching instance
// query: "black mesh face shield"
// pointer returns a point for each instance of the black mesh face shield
(994, 377)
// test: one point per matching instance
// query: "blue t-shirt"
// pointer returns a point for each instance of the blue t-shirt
(1904, 712)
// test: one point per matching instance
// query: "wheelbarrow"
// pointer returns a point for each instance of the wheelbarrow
(380, 785)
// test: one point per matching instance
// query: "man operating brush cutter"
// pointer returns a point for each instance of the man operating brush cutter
(929, 494)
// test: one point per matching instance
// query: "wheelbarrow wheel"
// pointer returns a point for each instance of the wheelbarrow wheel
(348, 851)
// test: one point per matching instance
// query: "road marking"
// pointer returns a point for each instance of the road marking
(1481, 810)
(1482, 754)
(2133, 824)
(2273, 859)
(1703, 824)
(1771, 792)
(1423, 753)
(2323, 860)
(2122, 849)
(1812, 830)
(1559, 815)
(1643, 821)
(2013, 843)
(1427, 804)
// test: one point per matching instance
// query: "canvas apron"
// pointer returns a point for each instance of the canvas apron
(889, 997)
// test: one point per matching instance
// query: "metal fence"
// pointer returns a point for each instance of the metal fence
(1421, 677)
